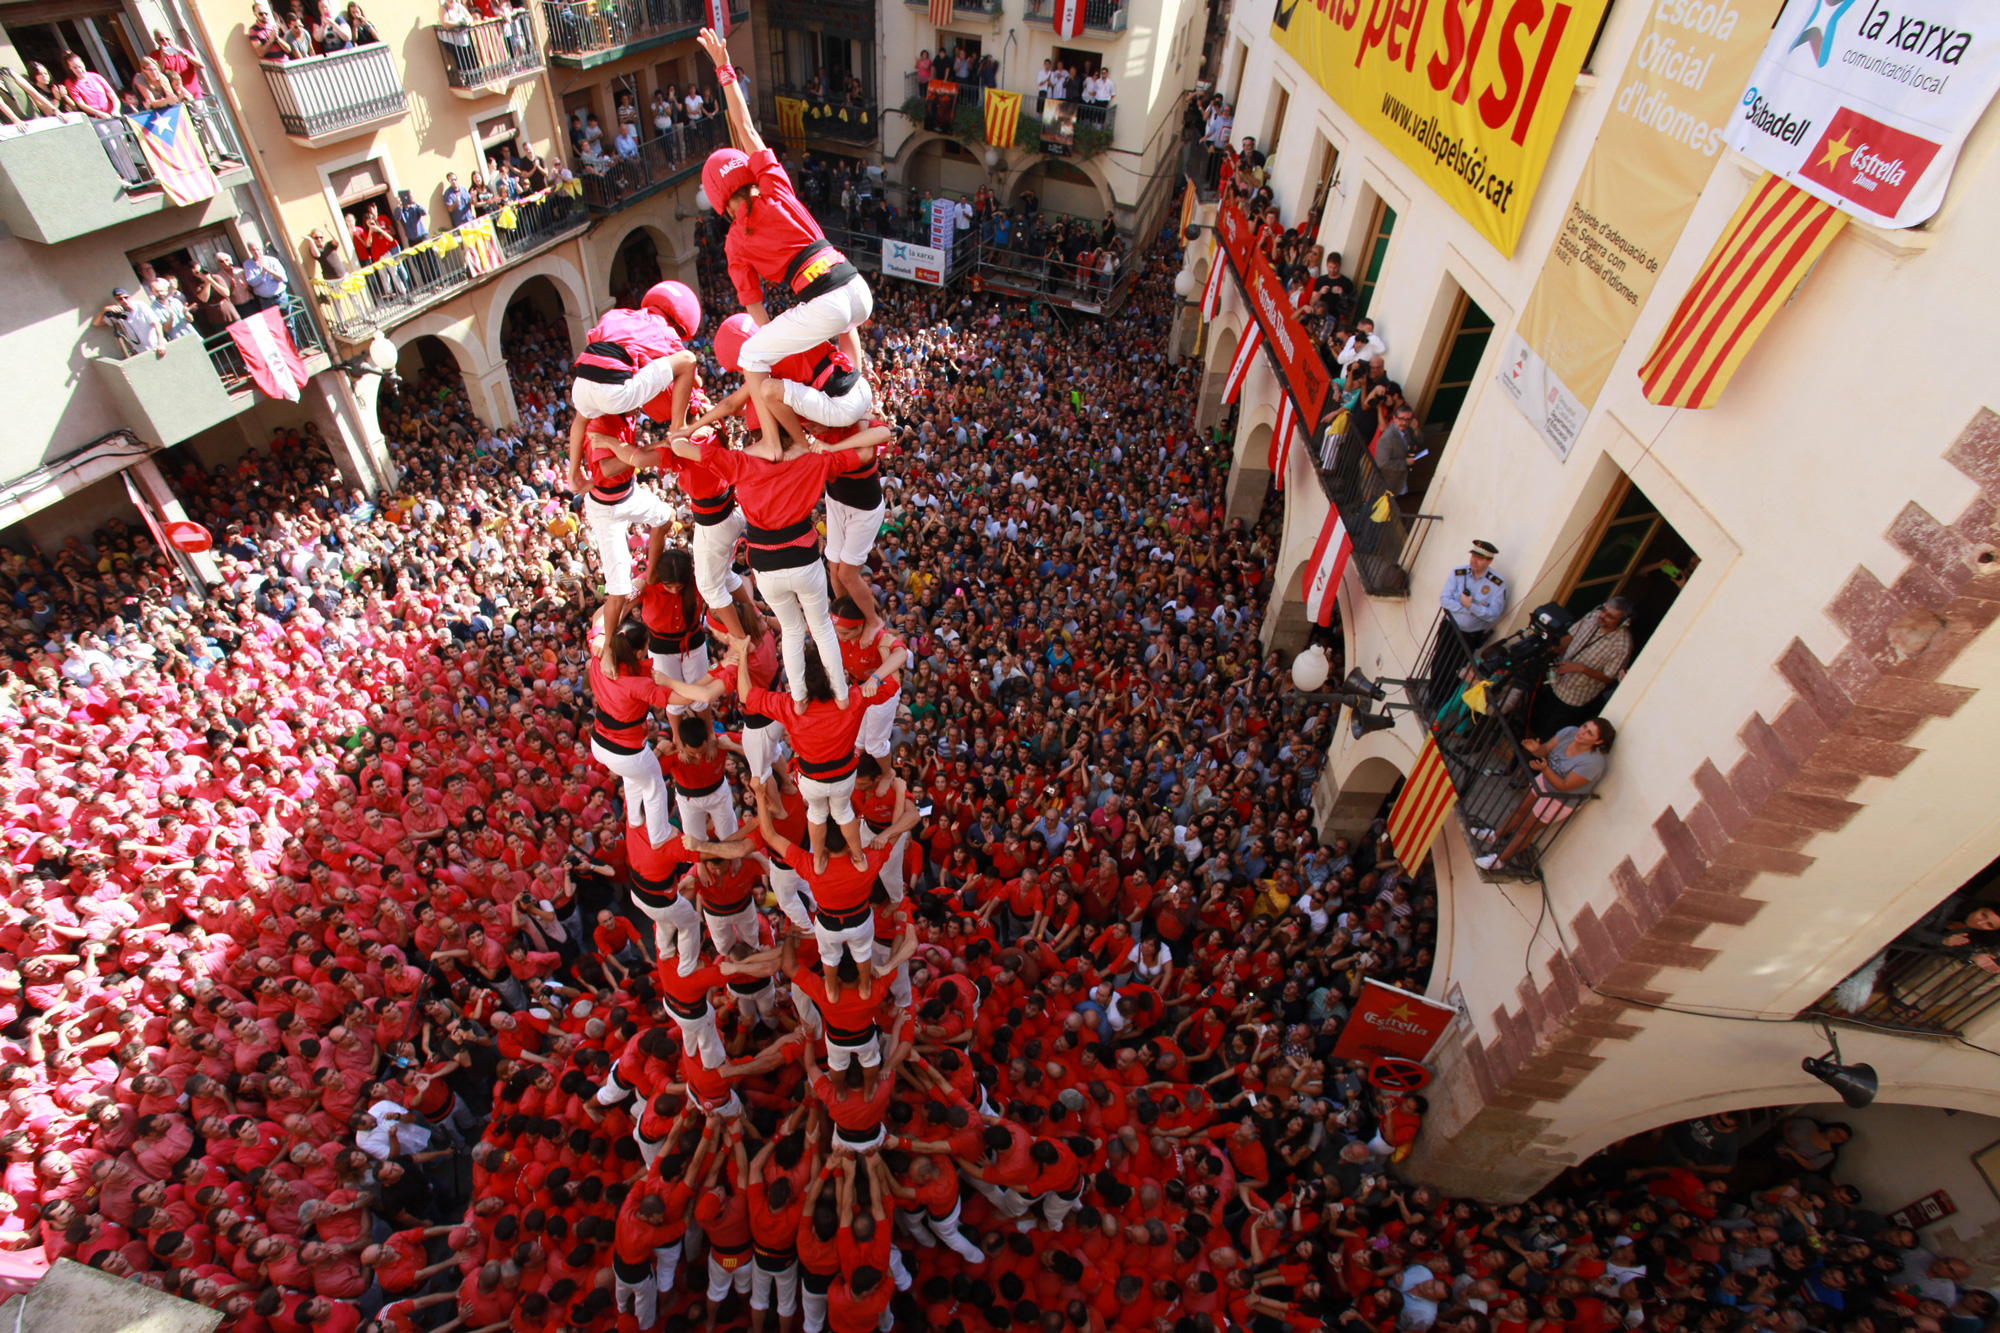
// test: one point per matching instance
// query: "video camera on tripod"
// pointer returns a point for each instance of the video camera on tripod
(1525, 654)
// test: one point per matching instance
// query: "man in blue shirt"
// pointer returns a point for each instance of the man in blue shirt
(457, 200)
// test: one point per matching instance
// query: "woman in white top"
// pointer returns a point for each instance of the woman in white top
(1154, 965)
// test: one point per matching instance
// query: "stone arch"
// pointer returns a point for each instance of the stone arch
(628, 266)
(578, 312)
(456, 334)
(929, 161)
(1038, 177)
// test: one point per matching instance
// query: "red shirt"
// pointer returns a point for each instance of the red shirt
(624, 704)
(778, 498)
(822, 733)
(840, 887)
(775, 227)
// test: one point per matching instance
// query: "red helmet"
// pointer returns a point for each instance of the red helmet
(726, 171)
(729, 340)
(678, 303)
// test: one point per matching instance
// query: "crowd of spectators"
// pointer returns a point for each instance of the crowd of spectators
(320, 971)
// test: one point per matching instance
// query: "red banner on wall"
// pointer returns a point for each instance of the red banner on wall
(1305, 375)
(1388, 1021)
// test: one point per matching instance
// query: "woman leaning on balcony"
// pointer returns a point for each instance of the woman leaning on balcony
(1568, 767)
(455, 22)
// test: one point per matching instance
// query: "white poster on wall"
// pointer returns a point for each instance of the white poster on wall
(1865, 103)
(918, 263)
(1535, 388)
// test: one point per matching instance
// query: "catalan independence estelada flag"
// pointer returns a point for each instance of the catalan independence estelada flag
(1778, 233)
(1419, 812)
(791, 118)
(1003, 113)
(173, 150)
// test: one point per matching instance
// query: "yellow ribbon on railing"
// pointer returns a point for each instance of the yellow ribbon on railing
(482, 229)
(506, 220)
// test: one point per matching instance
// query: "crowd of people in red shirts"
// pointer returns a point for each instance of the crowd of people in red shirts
(345, 986)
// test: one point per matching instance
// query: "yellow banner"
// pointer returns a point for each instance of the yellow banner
(1003, 113)
(1468, 93)
(1652, 159)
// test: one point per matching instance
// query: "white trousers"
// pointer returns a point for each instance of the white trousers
(714, 544)
(839, 1055)
(676, 931)
(822, 407)
(878, 722)
(638, 1299)
(700, 1035)
(710, 818)
(646, 800)
(812, 1307)
(824, 800)
(763, 747)
(724, 932)
(689, 668)
(763, 1283)
(851, 532)
(1056, 1207)
(832, 943)
(892, 869)
(807, 325)
(721, 1279)
(945, 1229)
(610, 532)
(798, 597)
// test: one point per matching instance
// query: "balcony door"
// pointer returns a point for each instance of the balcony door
(1374, 253)
(1631, 550)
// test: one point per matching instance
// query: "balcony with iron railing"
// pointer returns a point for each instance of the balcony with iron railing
(57, 184)
(484, 57)
(1476, 704)
(1939, 978)
(324, 99)
(1386, 539)
(1099, 16)
(412, 281)
(615, 182)
(192, 383)
(975, 8)
(823, 117)
(1099, 116)
(585, 33)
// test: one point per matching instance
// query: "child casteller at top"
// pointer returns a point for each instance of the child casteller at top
(772, 238)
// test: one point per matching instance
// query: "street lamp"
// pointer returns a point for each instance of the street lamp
(378, 359)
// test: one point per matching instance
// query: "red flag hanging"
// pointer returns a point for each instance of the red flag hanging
(1281, 438)
(1069, 18)
(1239, 369)
(1211, 295)
(269, 355)
(718, 17)
(1390, 1022)
(1323, 571)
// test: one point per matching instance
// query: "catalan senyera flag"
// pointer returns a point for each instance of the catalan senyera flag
(172, 145)
(1778, 233)
(940, 13)
(1069, 18)
(1419, 812)
(1281, 438)
(1003, 114)
(1328, 563)
(791, 117)
(1239, 369)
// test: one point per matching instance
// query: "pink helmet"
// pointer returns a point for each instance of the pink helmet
(678, 303)
(726, 171)
(729, 340)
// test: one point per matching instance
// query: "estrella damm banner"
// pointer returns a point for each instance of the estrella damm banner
(1468, 93)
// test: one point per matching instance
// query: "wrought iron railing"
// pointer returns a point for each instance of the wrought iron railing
(1088, 115)
(1915, 990)
(227, 358)
(591, 27)
(1098, 15)
(986, 7)
(1476, 704)
(413, 280)
(1386, 539)
(322, 94)
(489, 51)
(616, 182)
(826, 117)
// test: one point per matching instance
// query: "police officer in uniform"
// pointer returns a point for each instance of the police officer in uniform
(1475, 598)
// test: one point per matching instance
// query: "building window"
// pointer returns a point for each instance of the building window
(1634, 552)
(1281, 102)
(1457, 363)
(1374, 253)
(1326, 164)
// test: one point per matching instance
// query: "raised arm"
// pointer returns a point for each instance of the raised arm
(742, 129)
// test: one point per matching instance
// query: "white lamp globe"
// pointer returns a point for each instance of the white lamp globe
(1184, 284)
(1310, 669)
(992, 158)
(382, 352)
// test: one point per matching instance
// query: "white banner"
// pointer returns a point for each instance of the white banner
(1865, 103)
(1529, 383)
(918, 263)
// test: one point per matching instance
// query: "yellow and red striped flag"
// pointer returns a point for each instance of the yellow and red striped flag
(1419, 812)
(1003, 113)
(940, 13)
(1778, 233)
(791, 117)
